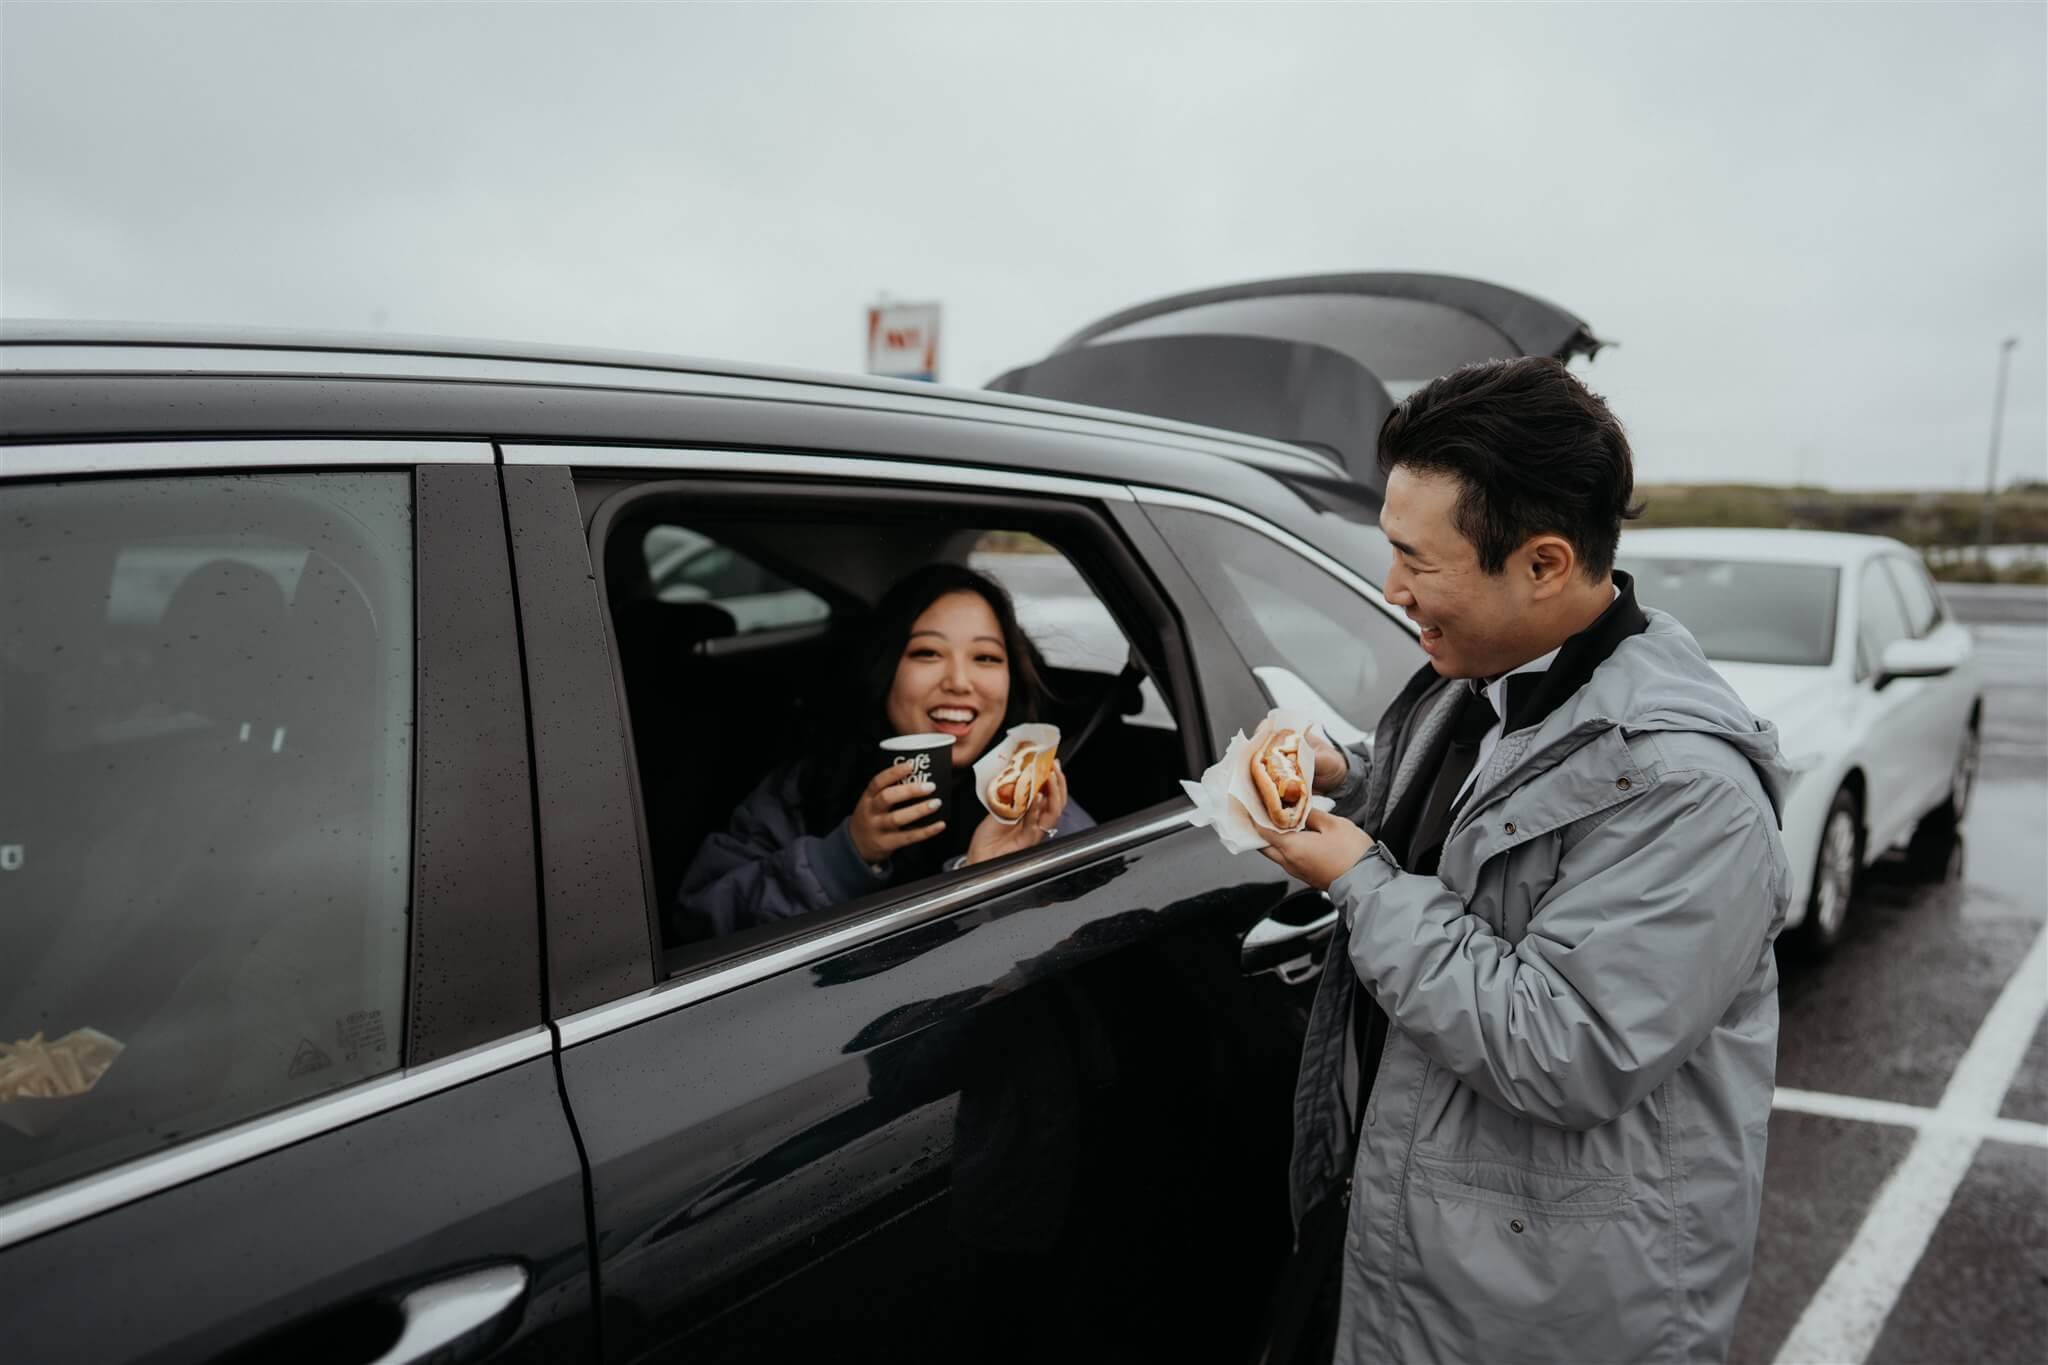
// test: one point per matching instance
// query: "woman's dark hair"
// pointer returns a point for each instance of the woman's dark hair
(834, 778)
(1534, 451)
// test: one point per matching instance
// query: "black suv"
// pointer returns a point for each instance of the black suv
(360, 709)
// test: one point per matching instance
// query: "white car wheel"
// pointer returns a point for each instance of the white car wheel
(1834, 875)
(1937, 839)
(1963, 780)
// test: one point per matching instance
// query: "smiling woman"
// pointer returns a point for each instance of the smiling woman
(823, 620)
(944, 655)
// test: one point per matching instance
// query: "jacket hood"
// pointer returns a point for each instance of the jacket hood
(1660, 680)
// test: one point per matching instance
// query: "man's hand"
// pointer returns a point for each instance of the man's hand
(1324, 851)
(1331, 765)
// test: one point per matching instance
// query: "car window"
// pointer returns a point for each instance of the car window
(205, 731)
(685, 565)
(1916, 592)
(1880, 618)
(751, 758)
(1284, 611)
(1743, 611)
(1347, 528)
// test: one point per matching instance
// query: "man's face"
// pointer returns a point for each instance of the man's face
(1474, 624)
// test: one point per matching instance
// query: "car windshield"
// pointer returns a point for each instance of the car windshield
(1743, 611)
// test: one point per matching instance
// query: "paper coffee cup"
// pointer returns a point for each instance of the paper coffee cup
(931, 760)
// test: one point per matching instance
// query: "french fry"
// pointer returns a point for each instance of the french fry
(32, 1069)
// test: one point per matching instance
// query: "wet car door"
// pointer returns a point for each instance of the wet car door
(275, 1082)
(1024, 1113)
(1902, 758)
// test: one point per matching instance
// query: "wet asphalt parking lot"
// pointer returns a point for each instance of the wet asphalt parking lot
(1906, 1198)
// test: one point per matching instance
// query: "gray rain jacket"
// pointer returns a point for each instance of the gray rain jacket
(1562, 1151)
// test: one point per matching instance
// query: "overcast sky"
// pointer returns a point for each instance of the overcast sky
(1808, 226)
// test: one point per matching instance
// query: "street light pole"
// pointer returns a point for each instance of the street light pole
(1991, 467)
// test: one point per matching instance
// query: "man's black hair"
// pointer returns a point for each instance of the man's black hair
(1534, 451)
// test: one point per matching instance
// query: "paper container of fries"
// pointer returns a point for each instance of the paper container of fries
(1226, 799)
(990, 765)
(41, 1082)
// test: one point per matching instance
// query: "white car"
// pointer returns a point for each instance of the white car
(1843, 642)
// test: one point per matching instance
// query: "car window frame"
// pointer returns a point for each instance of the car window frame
(741, 958)
(471, 1007)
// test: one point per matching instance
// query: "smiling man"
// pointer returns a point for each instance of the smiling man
(1541, 1122)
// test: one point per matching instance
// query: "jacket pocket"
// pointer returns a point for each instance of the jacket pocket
(1509, 1263)
(1542, 1194)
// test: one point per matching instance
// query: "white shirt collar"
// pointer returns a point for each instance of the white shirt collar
(1497, 690)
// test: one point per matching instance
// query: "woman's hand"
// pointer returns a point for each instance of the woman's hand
(992, 838)
(878, 819)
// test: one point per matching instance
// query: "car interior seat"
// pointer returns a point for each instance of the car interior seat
(165, 884)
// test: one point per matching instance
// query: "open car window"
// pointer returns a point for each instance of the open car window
(750, 759)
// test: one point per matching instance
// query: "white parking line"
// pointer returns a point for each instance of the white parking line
(1995, 749)
(1842, 1322)
(1911, 1116)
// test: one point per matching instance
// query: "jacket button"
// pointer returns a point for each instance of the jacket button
(1511, 827)
(1514, 1225)
(1621, 784)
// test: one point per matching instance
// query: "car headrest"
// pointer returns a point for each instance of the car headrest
(669, 628)
(696, 621)
(331, 657)
(221, 641)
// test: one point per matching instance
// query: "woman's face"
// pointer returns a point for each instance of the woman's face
(953, 676)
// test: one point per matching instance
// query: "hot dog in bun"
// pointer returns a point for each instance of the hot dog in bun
(1016, 786)
(1281, 784)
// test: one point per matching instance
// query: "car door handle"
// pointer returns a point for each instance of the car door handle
(438, 1315)
(1286, 940)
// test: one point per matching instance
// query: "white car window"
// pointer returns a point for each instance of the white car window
(1880, 618)
(1916, 590)
(1743, 611)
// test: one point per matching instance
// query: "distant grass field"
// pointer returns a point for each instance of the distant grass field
(1942, 525)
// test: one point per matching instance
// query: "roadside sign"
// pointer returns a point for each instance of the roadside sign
(903, 340)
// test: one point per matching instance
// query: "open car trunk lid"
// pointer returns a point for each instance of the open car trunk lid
(1317, 360)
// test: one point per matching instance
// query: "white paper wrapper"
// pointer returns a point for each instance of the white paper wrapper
(33, 1116)
(990, 765)
(1227, 802)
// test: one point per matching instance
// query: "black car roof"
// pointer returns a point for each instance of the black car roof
(75, 381)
